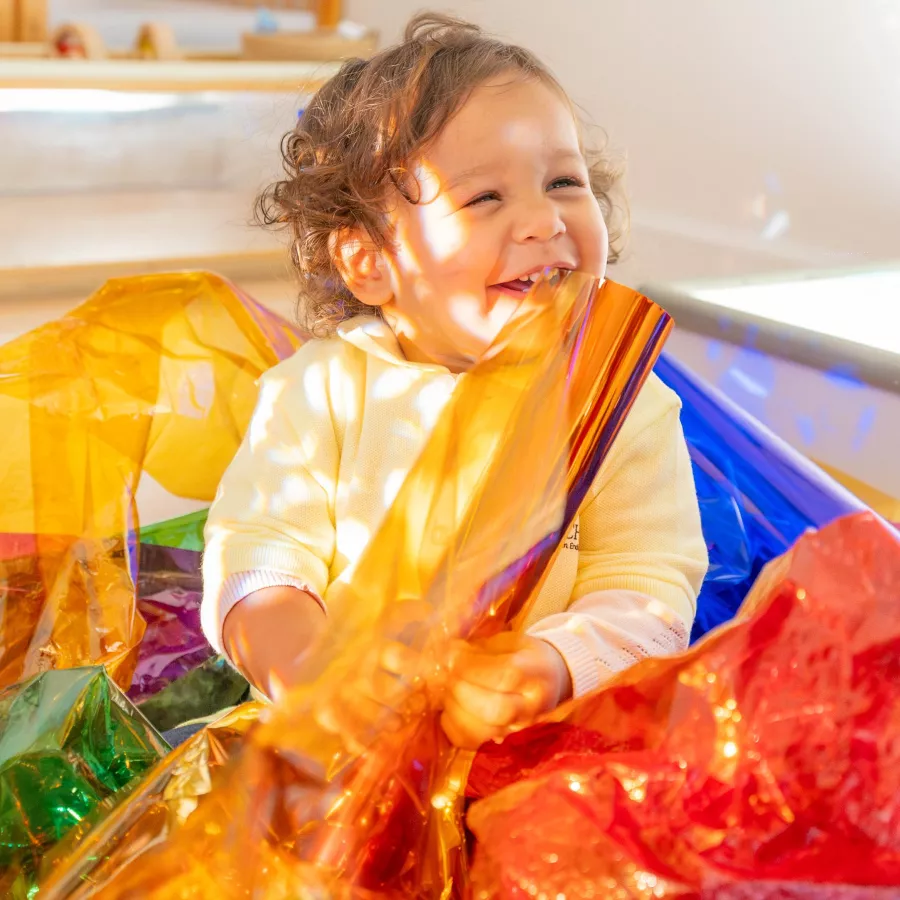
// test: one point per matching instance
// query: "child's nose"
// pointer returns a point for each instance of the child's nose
(538, 220)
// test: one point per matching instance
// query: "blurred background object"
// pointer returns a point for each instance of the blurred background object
(759, 139)
(815, 357)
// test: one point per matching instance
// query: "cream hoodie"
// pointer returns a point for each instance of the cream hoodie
(336, 429)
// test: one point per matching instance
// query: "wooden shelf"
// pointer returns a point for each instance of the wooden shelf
(19, 285)
(176, 76)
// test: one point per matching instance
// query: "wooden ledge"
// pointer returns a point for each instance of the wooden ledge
(19, 285)
(175, 76)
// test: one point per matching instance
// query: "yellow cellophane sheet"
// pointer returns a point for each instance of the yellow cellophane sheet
(298, 812)
(151, 377)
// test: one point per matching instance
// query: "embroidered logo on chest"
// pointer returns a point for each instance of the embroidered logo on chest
(571, 541)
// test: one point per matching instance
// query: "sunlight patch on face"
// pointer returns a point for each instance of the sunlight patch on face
(445, 236)
(467, 311)
(443, 232)
(525, 135)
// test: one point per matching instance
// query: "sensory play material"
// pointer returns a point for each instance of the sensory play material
(758, 765)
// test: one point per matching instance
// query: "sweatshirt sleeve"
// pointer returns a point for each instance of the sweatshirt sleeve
(274, 509)
(640, 529)
(642, 556)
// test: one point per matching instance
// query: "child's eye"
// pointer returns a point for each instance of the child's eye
(567, 181)
(483, 198)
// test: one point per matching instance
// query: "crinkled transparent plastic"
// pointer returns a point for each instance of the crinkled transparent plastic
(152, 377)
(69, 744)
(762, 764)
(300, 812)
(757, 494)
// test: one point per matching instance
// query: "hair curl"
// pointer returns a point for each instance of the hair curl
(350, 147)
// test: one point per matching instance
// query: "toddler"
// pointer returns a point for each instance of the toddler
(425, 189)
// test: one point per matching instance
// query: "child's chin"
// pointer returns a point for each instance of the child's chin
(502, 309)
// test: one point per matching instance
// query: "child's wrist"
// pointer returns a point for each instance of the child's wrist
(565, 678)
(562, 677)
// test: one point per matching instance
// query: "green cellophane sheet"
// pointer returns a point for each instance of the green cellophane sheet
(185, 532)
(70, 745)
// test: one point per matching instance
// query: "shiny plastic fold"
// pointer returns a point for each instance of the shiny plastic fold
(152, 378)
(762, 764)
(169, 592)
(300, 812)
(757, 493)
(69, 744)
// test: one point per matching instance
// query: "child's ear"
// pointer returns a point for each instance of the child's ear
(362, 267)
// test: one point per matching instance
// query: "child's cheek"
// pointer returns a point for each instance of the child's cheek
(445, 235)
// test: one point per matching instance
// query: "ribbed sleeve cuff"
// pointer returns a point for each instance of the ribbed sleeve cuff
(585, 670)
(607, 632)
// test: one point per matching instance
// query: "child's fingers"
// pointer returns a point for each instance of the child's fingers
(355, 716)
(497, 672)
(494, 708)
(456, 736)
(399, 660)
(464, 730)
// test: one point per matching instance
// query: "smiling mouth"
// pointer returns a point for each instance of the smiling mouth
(521, 286)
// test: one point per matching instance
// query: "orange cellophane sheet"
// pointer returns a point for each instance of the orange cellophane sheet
(299, 812)
(152, 376)
(762, 764)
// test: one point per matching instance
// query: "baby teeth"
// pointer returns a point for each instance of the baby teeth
(535, 275)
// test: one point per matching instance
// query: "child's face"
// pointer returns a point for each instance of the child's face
(505, 194)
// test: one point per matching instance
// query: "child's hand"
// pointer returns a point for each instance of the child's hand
(381, 681)
(500, 684)
(368, 701)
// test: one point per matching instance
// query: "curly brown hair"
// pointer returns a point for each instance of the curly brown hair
(352, 143)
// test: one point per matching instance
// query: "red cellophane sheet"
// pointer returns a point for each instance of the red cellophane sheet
(763, 763)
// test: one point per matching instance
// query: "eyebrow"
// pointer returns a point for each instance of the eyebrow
(467, 175)
(561, 154)
(565, 154)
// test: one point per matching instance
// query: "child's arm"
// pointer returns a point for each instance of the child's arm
(642, 557)
(270, 534)
(268, 634)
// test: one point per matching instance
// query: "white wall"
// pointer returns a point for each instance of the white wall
(739, 118)
(731, 112)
